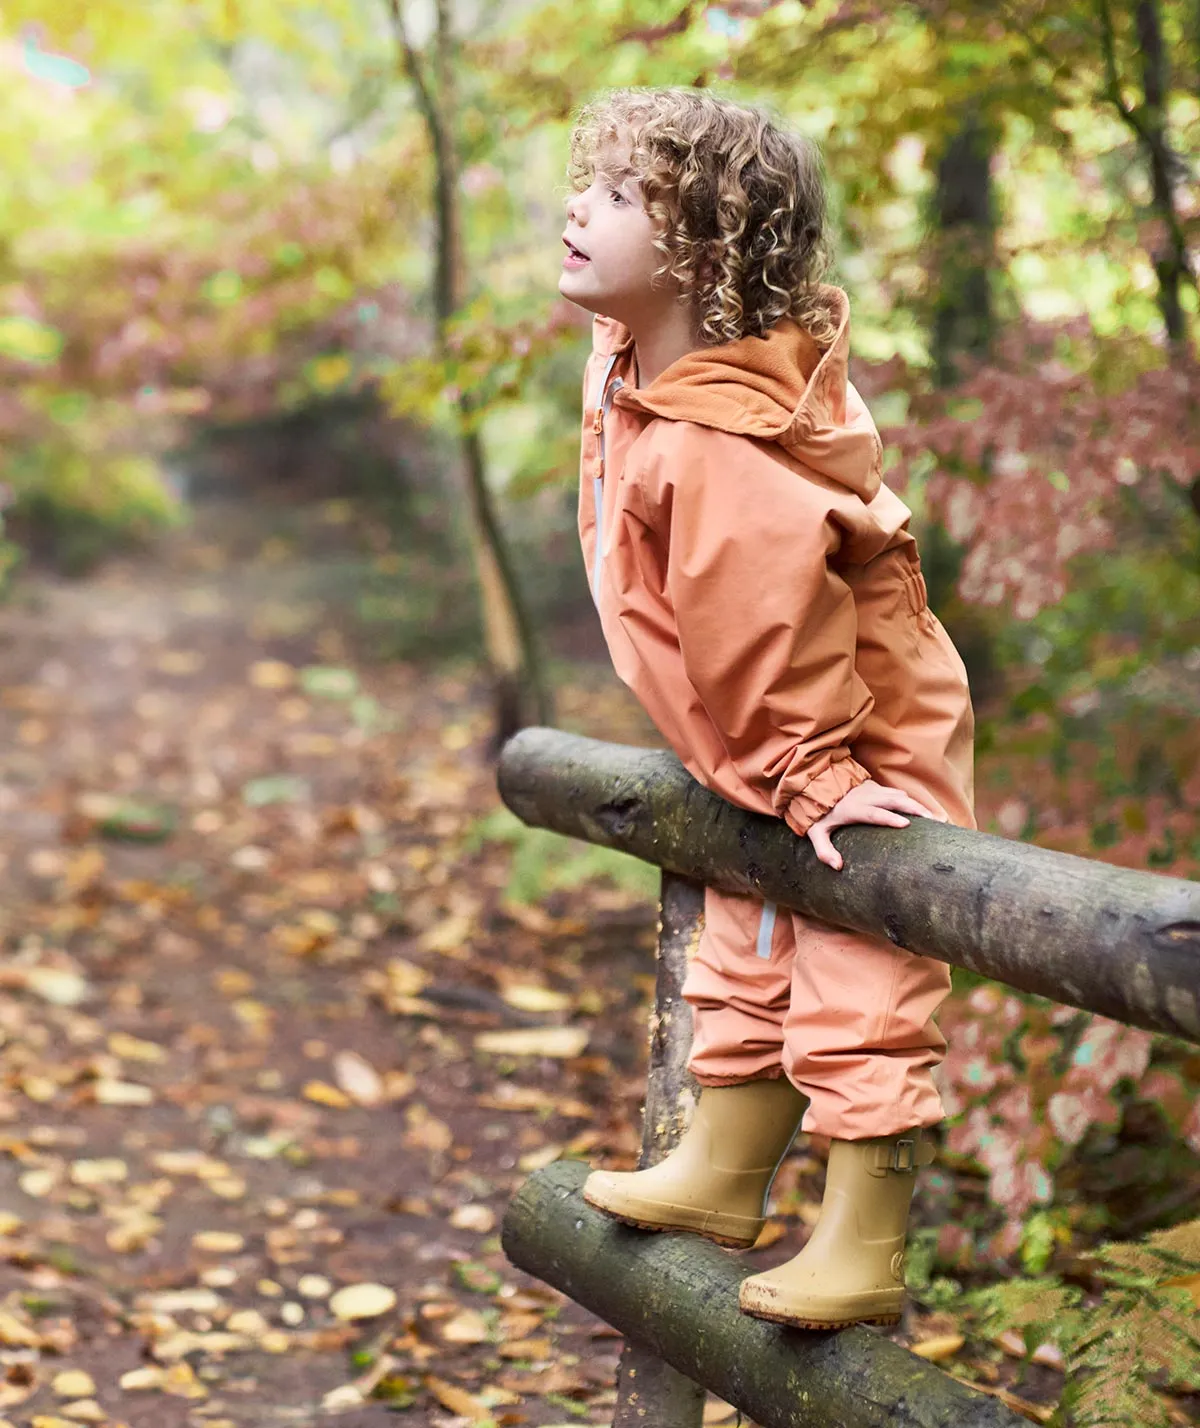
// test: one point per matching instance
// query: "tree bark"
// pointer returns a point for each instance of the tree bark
(649, 1391)
(965, 247)
(520, 691)
(1109, 940)
(677, 1294)
(1148, 124)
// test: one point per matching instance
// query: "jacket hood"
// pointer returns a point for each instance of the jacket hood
(781, 388)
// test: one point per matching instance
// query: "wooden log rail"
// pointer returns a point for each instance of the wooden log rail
(1120, 943)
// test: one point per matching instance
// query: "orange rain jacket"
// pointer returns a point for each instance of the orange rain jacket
(758, 586)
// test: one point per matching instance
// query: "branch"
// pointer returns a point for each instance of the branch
(1113, 941)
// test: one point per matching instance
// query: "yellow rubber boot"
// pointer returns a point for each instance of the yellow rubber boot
(715, 1181)
(852, 1269)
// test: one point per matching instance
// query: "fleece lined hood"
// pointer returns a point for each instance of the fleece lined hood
(779, 388)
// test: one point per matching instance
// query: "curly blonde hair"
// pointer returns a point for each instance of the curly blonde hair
(738, 204)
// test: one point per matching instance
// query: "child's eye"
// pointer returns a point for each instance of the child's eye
(616, 193)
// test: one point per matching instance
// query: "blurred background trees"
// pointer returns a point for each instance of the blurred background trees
(317, 245)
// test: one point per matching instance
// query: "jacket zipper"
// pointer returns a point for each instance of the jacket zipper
(604, 401)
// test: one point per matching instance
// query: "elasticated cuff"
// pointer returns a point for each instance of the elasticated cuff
(821, 793)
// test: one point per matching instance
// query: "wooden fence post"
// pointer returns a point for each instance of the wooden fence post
(649, 1390)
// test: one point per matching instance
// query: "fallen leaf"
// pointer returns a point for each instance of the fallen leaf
(942, 1346)
(218, 1241)
(556, 1041)
(181, 1382)
(540, 1158)
(535, 998)
(142, 1378)
(73, 1383)
(468, 1326)
(474, 1217)
(133, 1048)
(271, 674)
(358, 1078)
(539, 1348)
(122, 1093)
(771, 1233)
(97, 1172)
(456, 1399)
(717, 1411)
(347, 1395)
(362, 1301)
(17, 1335)
(450, 936)
(326, 1095)
(85, 1410)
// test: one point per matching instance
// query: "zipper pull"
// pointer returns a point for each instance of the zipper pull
(600, 470)
(598, 419)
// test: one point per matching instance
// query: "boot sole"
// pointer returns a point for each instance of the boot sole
(885, 1321)
(638, 1222)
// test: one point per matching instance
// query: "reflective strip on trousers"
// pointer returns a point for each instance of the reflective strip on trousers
(766, 930)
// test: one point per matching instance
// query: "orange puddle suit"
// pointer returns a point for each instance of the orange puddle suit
(762, 596)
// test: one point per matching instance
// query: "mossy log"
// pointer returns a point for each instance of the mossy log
(1122, 943)
(650, 1393)
(677, 1296)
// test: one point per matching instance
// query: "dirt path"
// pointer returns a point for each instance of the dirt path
(238, 1071)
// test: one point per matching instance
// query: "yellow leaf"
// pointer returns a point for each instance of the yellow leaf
(474, 1217)
(557, 1041)
(97, 1172)
(73, 1383)
(16, 1335)
(526, 1349)
(535, 999)
(771, 1232)
(181, 1382)
(943, 1346)
(362, 1301)
(467, 1327)
(122, 1093)
(456, 1399)
(142, 1378)
(133, 1048)
(326, 1095)
(85, 1410)
(538, 1159)
(271, 674)
(448, 936)
(218, 1242)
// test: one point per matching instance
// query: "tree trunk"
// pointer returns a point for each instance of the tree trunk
(520, 692)
(678, 1295)
(964, 248)
(650, 1393)
(1121, 943)
(1171, 258)
(1148, 124)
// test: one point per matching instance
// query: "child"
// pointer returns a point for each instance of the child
(762, 596)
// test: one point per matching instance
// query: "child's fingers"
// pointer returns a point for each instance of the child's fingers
(905, 803)
(886, 817)
(824, 848)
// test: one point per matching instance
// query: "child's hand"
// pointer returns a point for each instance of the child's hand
(868, 802)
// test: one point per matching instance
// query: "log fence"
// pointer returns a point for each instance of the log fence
(1117, 942)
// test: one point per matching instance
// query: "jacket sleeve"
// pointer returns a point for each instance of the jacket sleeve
(767, 628)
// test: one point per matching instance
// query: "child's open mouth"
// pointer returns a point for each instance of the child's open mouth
(574, 258)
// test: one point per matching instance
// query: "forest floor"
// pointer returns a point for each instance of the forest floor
(252, 1160)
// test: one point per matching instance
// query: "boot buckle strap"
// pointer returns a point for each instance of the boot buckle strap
(905, 1154)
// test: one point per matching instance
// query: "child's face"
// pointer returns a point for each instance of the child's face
(608, 223)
